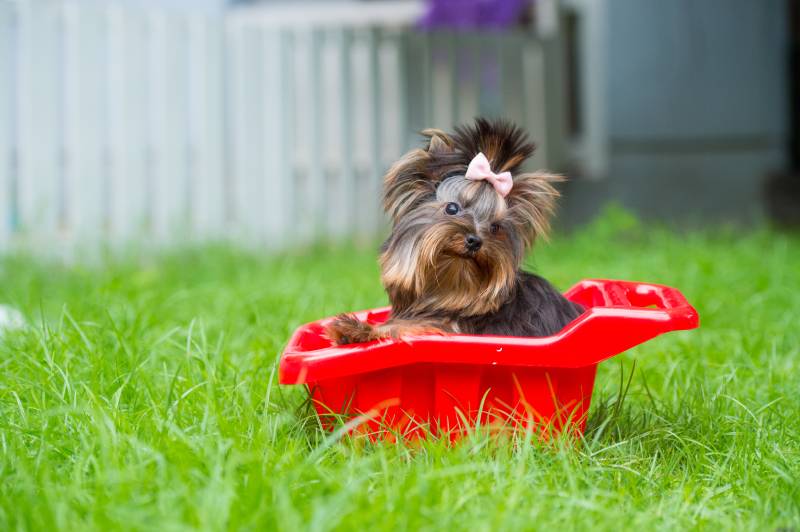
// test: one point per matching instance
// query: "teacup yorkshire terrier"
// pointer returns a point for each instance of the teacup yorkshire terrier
(459, 234)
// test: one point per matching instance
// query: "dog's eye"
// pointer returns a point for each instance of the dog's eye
(452, 208)
(494, 228)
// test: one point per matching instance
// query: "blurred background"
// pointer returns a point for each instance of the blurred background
(271, 123)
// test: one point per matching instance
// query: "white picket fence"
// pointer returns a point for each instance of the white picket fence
(120, 124)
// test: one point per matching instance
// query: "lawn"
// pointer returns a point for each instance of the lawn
(143, 395)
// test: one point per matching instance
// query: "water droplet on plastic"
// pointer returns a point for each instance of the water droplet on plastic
(499, 349)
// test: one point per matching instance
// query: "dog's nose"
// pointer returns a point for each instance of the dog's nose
(473, 242)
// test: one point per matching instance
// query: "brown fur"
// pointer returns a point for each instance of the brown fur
(434, 282)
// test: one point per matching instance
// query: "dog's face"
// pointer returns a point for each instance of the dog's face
(457, 244)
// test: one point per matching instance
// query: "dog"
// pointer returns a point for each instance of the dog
(460, 231)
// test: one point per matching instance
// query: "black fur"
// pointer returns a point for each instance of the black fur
(535, 308)
(506, 145)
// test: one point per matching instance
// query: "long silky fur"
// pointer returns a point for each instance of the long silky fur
(431, 280)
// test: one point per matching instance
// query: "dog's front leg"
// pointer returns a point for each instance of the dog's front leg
(347, 329)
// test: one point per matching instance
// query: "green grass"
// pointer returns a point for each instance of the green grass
(143, 396)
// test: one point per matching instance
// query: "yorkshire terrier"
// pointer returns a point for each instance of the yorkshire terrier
(459, 234)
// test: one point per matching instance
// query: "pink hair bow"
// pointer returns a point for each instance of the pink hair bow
(479, 169)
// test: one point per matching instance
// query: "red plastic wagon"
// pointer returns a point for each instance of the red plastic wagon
(444, 384)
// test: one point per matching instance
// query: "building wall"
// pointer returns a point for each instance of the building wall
(696, 107)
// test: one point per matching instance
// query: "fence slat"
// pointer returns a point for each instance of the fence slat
(255, 179)
(443, 81)
(276, 211)
(246, 104)
(248, 189)
(307, 178)
(416, 65)
(126, 132)
(391, 91)
(453, 56)
(7, 38)
(169, 94)
(318, 185)
(207, 127)
(84, 143)
(469, 72)
(535, 102)
(510, 78)
(117, 90)
(37, 96)
(375, 169)
(246, 146)
(236, 120)
(404, 91)
(286, 141)
(345, 194)
(425, 79)
(362, 143)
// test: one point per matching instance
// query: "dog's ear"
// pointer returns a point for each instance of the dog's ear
(438, 141)
(413, 178)
(406, 184)
(531, 204)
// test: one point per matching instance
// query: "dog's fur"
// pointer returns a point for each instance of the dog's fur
(435, 282)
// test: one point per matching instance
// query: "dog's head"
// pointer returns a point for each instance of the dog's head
(456, 242)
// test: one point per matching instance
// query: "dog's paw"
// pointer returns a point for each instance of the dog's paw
(347, 329)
